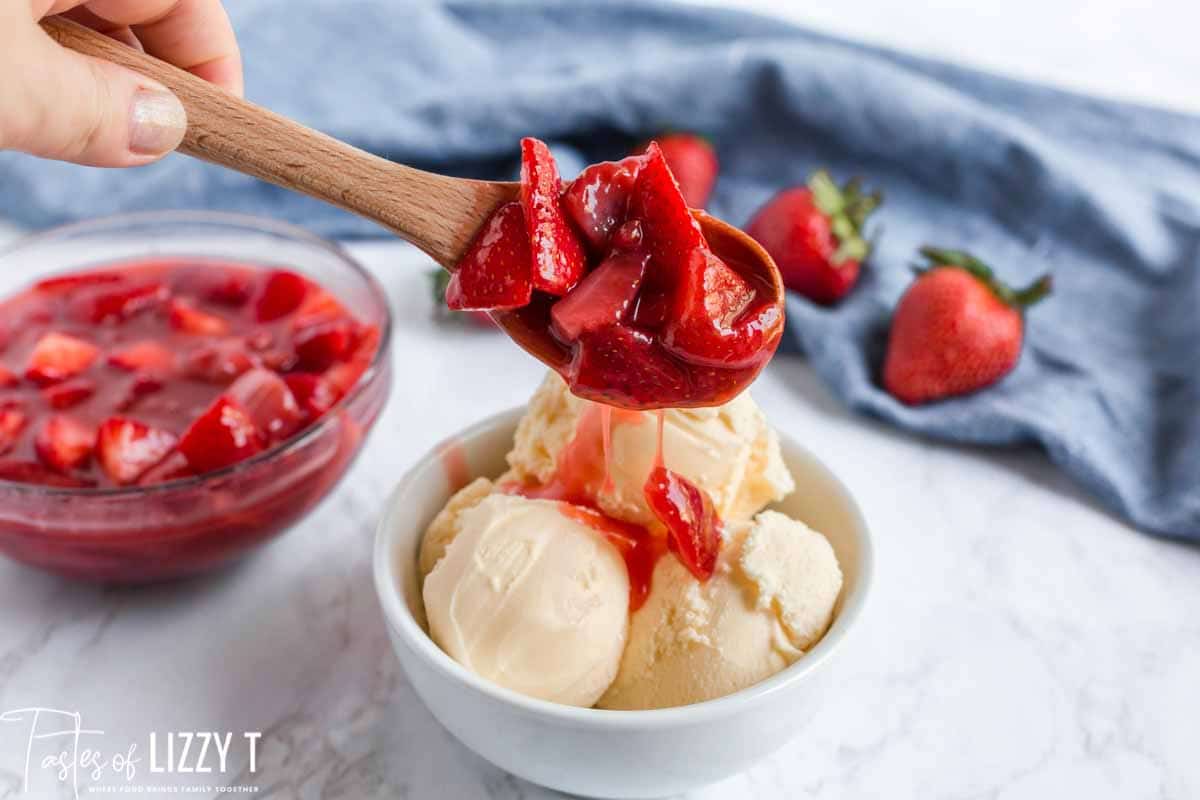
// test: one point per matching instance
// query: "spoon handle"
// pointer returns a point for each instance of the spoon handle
(436, 213)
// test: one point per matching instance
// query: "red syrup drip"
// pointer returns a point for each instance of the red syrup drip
(454, 464)
(693, 526)
(583, 473)
(658, 449)
(606, 438)
(640, 549)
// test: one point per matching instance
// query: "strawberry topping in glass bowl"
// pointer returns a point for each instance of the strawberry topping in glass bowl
(177, 388)
(144, 372)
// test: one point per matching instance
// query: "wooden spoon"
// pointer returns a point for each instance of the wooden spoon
(436, 213)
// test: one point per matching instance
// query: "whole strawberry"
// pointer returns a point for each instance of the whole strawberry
(693, 162)
(956, 330)
(814, 233)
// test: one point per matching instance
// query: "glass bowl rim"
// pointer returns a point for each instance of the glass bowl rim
(226, 219)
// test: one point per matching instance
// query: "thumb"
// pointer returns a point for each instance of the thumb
(89, 111)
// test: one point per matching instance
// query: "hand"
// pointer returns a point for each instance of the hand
(58, 104)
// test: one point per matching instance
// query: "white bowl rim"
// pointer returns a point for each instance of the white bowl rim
(398, 616)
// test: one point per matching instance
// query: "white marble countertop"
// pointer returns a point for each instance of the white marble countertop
(1021, 643)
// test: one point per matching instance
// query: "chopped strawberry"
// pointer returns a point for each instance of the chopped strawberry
(187, 318)
(36, 312)
(628, 236)
(143, 384)
(366, 342)
(440, 280)
(223, 435)
(597, 200)
(218, 362)
(670, 231)
(64, 443)
(716, 321)
(313, 393)
(120, 304)
(652, 309)
(601, 299)
(693, 528)
(268, 402)
(8, 379)
(57, 356)
(171, 468)
(319, 305)
(126, 448)
(232, 288)
(344, 376)
(12, 422)
(229, 285)
(319, 346)
(558, 258)
(146, 355)
(280, 360)
(260, 341)
(70, 393)
(623, 367)
(282, 294)
(33, 472)
(496, 270)
(693, 163)
(79, 280)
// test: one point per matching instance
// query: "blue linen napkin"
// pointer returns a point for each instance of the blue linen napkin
(1105, 195)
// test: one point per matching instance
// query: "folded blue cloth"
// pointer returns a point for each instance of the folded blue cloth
(1104, 195)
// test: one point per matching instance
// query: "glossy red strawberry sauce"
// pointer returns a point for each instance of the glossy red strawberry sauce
(583, 472)
(145, 372)
(612, 283)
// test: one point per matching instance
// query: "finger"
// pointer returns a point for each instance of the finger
(88, 111)
(121, 33)
(195, 35)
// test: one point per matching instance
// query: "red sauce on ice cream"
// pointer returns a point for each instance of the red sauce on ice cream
(612, 283)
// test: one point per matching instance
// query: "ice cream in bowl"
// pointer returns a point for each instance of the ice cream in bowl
(621, 603)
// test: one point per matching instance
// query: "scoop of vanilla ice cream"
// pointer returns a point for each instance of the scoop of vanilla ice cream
(770, 599)
(527, 597)
(448, 523)
(729, 451)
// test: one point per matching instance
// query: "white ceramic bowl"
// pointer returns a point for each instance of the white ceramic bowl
(593, 752)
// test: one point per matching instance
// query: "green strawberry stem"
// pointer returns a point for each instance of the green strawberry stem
(1017, 298)
(439, 279)
(1034, 292)
(847, 208)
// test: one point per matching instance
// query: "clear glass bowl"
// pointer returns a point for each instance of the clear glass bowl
(187, 526)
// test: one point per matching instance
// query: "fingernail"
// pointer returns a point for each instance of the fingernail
(157, 122)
